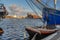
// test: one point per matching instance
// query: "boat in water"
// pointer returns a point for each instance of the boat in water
(41, 32)
(3, 11)
(3, 14)
(1, 31)
(50, 18)
(49, 29)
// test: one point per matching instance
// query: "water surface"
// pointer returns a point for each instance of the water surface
(14, 28)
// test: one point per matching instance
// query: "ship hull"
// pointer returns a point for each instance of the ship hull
(40, 34)
(3, 14)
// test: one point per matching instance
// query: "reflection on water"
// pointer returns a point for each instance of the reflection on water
(13, 28)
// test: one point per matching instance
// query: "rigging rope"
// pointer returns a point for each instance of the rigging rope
(37, 7)
(31, 6)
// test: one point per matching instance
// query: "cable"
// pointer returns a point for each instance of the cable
(31, 6)
(36, 5)
(45, 3)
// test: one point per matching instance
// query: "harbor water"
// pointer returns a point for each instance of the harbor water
(14, 28)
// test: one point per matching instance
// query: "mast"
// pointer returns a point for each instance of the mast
(55, 1)
(55, 8)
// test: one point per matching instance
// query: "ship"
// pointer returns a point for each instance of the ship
(49, 29)
(3, 11)
(50, 18)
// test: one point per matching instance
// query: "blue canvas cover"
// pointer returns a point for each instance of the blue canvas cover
(52, 16)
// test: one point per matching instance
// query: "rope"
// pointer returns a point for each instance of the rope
(47, 1)
(34, 36)
(25, 35)
(31, 6)
(37, 5)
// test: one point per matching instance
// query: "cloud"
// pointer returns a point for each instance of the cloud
(18, 10)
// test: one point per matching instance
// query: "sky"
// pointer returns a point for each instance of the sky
(17, 2)
(21, 3)
(21, 6)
